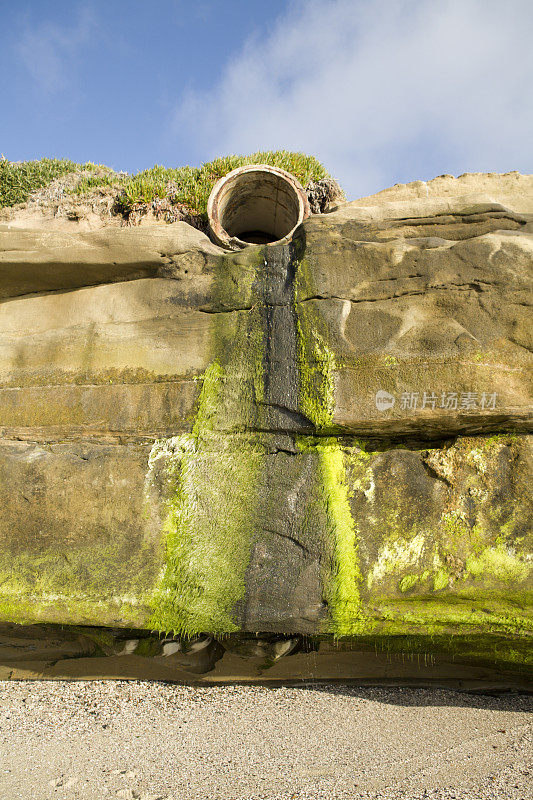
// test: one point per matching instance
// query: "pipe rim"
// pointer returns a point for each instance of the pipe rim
(222, 236)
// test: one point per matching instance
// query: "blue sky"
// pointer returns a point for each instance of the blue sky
(382, 91)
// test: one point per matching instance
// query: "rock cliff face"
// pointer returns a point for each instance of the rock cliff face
(323, 437)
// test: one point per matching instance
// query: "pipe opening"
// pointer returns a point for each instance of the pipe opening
(256, 204)
(257, 237)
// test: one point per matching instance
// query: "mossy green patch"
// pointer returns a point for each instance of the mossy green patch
(499, 563)
(342, 593)
(208, 524)
(316, 361)
(441, 579)
(209, 478)
(342, 576)
(96, 581)
(408, 582)
(476, 611)
(395, 556)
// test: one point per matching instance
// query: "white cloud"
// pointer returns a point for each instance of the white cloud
(48, 51)
(378, 89)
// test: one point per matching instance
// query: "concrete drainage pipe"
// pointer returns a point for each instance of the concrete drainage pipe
(255, 204)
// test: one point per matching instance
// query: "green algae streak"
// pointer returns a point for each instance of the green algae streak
(207, 529)
(208, 478)
(342, 593)
(317, 400)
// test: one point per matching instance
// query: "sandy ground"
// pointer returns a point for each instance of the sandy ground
(96, 740)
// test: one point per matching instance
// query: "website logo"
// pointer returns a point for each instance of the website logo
(384, 400)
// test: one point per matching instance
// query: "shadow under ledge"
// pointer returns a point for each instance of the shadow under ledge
(494, 663)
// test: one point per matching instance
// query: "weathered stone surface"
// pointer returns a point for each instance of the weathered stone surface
(325, 437)
(118, 357)
(512, 189)
(78, 541)
(36, 260)
(408, 316)
(81, 536)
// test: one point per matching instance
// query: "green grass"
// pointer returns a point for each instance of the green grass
(189, 186)
(19, 179)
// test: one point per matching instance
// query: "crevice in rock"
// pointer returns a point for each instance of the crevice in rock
(476, 286)
(467, 217)
(289, 538)
(515, 341)
(220, 310)
(282, 450)
(205, 310)
(128, 278)
(434, 474)
(402, 277)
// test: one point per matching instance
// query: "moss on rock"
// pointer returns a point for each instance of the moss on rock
(208, 478)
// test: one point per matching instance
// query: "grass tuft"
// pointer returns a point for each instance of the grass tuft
(18, 179)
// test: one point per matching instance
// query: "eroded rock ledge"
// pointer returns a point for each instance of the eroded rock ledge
(324, 437)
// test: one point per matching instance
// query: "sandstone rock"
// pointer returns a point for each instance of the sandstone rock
(118, 357)
(512, 189)
(75, 533)
(322, 437)
(431, 322)
(34, 260)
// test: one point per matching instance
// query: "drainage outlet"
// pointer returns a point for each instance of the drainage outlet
(256, 204)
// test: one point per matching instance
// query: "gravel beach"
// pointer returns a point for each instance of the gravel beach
(94, 740)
